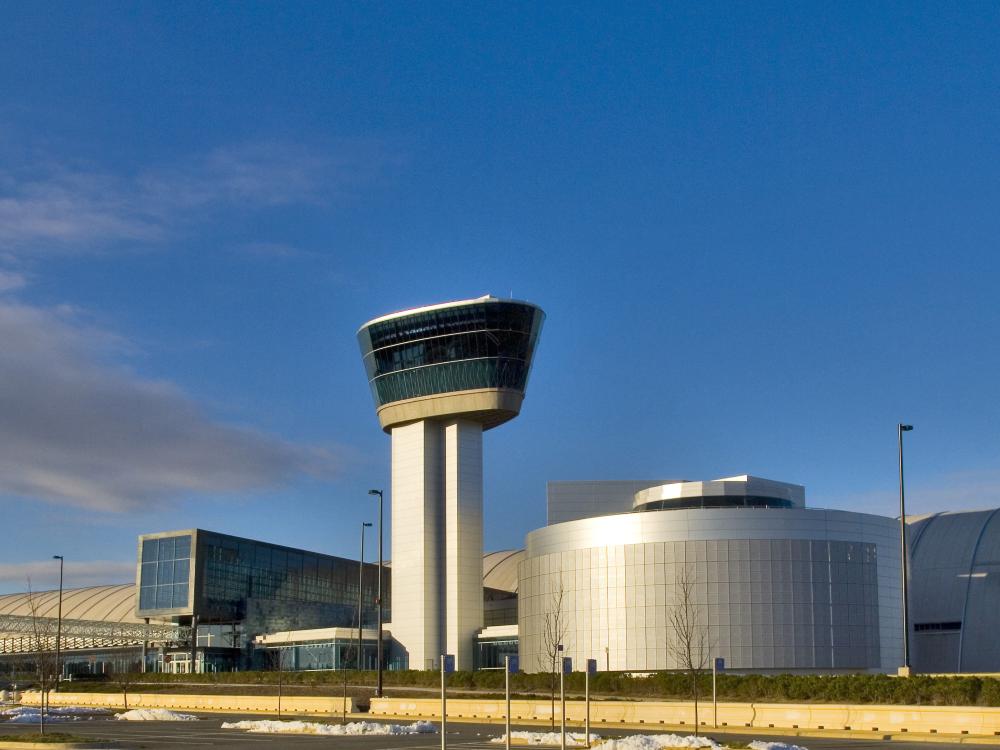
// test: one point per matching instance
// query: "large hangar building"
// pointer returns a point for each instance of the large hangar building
(778, 587)
(955, 591)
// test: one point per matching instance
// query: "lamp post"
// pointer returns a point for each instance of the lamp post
(59, 623)
(361, 582)
(901, 428)
(378, 646)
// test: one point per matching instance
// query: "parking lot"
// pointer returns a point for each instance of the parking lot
(208, 732)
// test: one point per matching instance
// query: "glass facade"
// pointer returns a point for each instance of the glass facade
(765, 604)
(242, 579)
(243, 588)
(165, 574)
(490, 652)
(729, 501)
(334, 654)
(481, 344)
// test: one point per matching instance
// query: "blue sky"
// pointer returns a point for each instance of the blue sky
(763, 235)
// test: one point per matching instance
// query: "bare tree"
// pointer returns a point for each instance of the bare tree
(687, 635)
(276, 663)
(124, 676)
(42, 643)
(553, 637)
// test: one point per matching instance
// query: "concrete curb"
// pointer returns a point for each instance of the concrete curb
(855, 734)
(55, 745)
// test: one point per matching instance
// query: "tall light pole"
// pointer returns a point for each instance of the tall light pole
(901, 428)
(378, 647)
(59, 623)
(361, 583)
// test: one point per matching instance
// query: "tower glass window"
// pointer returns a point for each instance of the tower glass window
(479, 344)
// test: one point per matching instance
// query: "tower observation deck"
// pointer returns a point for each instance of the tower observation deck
(440, 375)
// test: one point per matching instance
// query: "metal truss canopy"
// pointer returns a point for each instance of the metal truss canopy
(25, 633)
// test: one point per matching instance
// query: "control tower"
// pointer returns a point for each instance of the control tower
(441, 375)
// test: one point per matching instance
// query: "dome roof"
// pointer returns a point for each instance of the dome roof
(500, 569)
(955, 591)
(105, 603)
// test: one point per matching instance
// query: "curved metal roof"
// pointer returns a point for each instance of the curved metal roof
(105, 603)
(500, 569)
(955, 591)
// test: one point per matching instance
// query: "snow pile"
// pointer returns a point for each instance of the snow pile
(573, 739)
(154, 714)
(25, 715)
(311, 727)
(657, 741)
(54, 711)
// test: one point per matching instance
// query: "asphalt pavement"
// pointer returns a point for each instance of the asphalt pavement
(208, 732)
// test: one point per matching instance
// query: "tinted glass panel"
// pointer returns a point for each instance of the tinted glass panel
(164, 597)
(166, 549)
(149, 548)
(180, 596)
(182, 547)
(164, 574)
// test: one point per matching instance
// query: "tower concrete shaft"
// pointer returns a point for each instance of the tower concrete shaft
(440, 375)
(437, 540)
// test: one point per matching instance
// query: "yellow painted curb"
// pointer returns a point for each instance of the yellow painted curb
(855, 734)
(55, 745)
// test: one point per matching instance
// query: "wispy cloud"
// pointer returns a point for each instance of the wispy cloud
(76, 430)
(11, 281)
(65, 208)
(44, 574)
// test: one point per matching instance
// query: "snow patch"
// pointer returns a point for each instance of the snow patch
(154, 714)
(31, 715)
(266, 726)
(657, 741)
(573, 739)
(54, 710)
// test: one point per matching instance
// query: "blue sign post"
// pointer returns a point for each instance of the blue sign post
(510, 667)
(567, 667)
(591, 669)
(718, 666)
(447, 667)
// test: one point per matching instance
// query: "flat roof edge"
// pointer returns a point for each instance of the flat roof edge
(445, 305)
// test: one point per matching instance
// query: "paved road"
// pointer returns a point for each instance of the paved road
(208, 732)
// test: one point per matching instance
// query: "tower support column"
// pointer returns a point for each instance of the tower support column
(437, 540)
(463, 469)
(417, 525)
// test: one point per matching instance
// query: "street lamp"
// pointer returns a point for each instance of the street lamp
(901, 428)
(361, 582)
(59, 623)
(378, 647)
